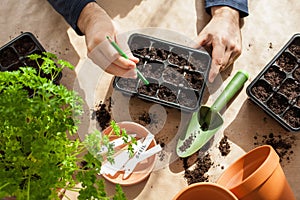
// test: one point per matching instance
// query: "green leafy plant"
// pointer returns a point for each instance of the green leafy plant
(37, 158)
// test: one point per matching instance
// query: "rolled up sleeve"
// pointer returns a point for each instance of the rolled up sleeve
(240, 5)
(70, 10)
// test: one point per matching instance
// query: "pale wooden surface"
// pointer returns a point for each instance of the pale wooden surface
(270, 25)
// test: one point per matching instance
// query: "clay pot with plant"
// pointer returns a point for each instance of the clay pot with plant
(38, 159)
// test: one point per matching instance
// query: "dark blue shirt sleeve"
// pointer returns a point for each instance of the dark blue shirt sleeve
(240, 5)
(70, 10)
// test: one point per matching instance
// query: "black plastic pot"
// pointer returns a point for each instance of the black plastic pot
(276, 89)
(13, 55)
(177, 74)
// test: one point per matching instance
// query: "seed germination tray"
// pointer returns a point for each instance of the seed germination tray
(177, 74)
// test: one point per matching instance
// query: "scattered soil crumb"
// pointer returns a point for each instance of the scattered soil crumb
(146, 119)
(103, 116)
(270, 45)
(161, 155)
(282, 144)
(224, 146)
(198, 173)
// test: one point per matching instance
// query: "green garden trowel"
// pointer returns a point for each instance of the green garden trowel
(207, 121)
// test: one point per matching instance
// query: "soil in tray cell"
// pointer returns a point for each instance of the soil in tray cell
(8, 56)
(127, 84)
(290, 88)
(296, 73)
(286, 62)
(194, 79)
(167, 93)
(274, 76)
(149, 90)
(198, 64)
(140, 46)
(153, 70)
(298, 102)
(295, 47)
(24, 45)
(174, 75)
(16, 66)
(159, 52)
(278, 103)
(188, 98)
(292, 117)
(261, 90)
(179, 57)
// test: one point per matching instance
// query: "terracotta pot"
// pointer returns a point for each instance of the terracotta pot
(257, 175)
(204, 191)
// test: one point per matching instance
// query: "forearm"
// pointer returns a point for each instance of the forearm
(90, 15)
(227, 13)
(240, 5)
(70, 10)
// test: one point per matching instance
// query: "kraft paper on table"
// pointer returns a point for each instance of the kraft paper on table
(265, 31)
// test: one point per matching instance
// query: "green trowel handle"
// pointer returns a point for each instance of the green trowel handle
(230, 90)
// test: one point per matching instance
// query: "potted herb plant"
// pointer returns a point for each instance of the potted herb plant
(37, 158)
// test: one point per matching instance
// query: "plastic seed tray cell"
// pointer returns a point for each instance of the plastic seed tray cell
(177, 74)
(276, 89)
(14, 54)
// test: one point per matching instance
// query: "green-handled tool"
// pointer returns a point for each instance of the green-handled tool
(207, 121)
(123, 54)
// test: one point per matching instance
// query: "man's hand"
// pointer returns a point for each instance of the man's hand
(223, 35)
(95, 24)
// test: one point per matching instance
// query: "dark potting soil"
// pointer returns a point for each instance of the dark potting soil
(149, 90)
(167, 94)
(179, 59)
(158, 54)
(290, 88)
(146, 118)
(224, 146)
(194, 79)
(8, 57)
(292, 117)
(153, 70)
(24, 45)
(282, 144)
(261, 90)
(295, 49)
(174, 75)
(286, 62)
(142, 51)
(198, 173)
(274, 76)
(103, 116)
(278, 103)
(296, 74)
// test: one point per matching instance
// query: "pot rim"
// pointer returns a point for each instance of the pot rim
(258, 176)
(210, 185)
